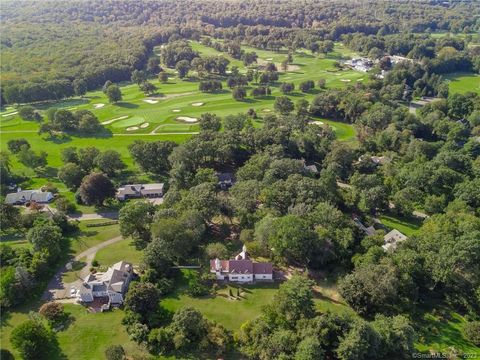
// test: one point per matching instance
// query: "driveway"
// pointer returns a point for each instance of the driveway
(96, 216)
(57, 289)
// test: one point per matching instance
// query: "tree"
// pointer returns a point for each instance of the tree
(138, 76)
(292, 240)
(283, 105)
(239, 93)
(371, 288)
(71, 175)
(396, 337)
(30, 159)
(309, 348)
(9, 216)
(147, 87)
(293, 301)
(86, 157)
(26, 113)
(152, 156)
(95, 189)
(88, 123)
(64, 205)
(361, 342)
(135, 220)
(287, 88)
(113, 93)
(64, 120)
(115, 352)
(142, 298)
(153, 65)
(321, 83)
(189, 328)
(109, 162)
(53, 312)
(15, 145)
(216, 250)
(210, 122)
(45, 236)
(183, 67)
(33, 340)
(163, 77)
(306, 86)
(79, 87)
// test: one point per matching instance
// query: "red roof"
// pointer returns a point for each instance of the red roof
(240, 267)
(262, 268)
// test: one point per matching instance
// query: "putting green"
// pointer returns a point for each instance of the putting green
(135, 120)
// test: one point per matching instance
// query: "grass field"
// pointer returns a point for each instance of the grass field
(463, 82)
(87, 237)
(87, 335)
(122, 250)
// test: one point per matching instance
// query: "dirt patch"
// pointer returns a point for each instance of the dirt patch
(98, 106)
(144, 125)
(108, 122)
(198, 104)
(187, 119)
(132, 128)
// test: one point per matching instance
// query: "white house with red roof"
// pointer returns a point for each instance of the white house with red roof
(241, 269)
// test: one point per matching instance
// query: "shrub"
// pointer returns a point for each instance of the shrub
(53, 312)
(65, 205)
(115, 352)
(472, 332)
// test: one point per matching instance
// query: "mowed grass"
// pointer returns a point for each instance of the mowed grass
(86, 337)
(408, 226)
(87, 237)
(122, 250)
(463, 82)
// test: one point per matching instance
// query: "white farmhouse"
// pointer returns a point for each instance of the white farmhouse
(241, 269)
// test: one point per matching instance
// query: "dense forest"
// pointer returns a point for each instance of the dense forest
(44, 50)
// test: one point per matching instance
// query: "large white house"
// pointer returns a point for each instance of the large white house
(23, 196)
(241, 269)
(140, 190)
(112, 284)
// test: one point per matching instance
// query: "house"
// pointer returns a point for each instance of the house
(241, 269)
(367, 230)
(24, 196)
(392, 239)
(140, 190)
(225, 180)
(110, 285)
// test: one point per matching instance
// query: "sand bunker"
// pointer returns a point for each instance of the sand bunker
(269, 59)
(187, 119)
(360, 79)
(197, 104)
(144, 125)
(150, 101)
(267, 110)
(10, 114)
(108, 122)
(98, 106)
(316, 123)
(345, 80)
(176, 110)
(132, 128)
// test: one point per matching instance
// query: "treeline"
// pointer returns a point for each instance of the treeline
(66, 43)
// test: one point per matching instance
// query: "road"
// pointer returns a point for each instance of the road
(57, 289)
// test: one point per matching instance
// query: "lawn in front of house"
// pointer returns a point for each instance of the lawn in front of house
(123, 250)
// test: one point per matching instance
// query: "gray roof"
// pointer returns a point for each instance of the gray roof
(28, 195)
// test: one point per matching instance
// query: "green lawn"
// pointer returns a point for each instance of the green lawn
(122, 250)
(87, 237)
(441, 329)
(463, 82)
(86, 337)
(407, 226)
